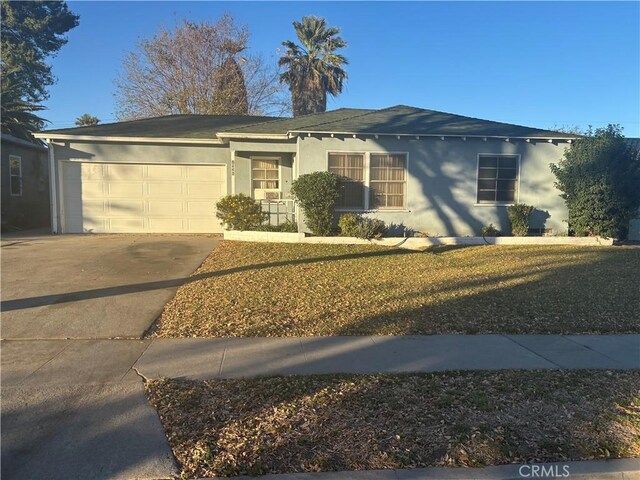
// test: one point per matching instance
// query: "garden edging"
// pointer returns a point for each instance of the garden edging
(412, 243)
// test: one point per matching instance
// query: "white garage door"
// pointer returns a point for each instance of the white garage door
(136, 198)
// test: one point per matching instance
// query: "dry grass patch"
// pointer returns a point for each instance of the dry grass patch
(356, 422)
(258, 289)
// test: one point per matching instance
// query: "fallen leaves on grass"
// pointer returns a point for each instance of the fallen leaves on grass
(356, 422)
(258, 289)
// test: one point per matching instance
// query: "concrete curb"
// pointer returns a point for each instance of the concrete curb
(412, 243)
(618, 469)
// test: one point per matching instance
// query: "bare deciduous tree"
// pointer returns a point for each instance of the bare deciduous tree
(198, 68)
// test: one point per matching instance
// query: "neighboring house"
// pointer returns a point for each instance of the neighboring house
(25, 184)
(418, 169)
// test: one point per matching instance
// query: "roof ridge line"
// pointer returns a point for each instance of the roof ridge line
(370, 112)
(485, 120)
(342, 119)
(284, 119)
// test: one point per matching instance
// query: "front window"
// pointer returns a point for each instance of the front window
(15, 175)
(350, 169)
(388, 180)
(497, 178)
(265, 174)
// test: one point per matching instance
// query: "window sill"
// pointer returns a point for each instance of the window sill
(497, 204)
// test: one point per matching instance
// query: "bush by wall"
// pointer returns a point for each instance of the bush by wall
(599, 177)
(352, 225)
(519, 218)
(287, 226)
(317, 194)
(490, 231)
(240, 212)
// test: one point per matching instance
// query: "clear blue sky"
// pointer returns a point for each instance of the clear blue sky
(540, 64)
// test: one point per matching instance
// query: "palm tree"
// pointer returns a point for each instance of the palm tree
(313, 69)
(87, 120)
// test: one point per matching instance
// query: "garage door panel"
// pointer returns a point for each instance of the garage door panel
(201, 208)
(164, 208)
(132, 198)
(126, 224)
(125, 189)
(166, 225)
(165, 172)
(123, 172)
(205, 173)
(164, 189)
(199, 225)
(127, 208)
(203, 190)
(90, 171)
(94, 208)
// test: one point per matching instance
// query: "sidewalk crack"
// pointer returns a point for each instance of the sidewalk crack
(532, 351)
(133, 367)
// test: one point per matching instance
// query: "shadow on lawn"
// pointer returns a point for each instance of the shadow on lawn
(556, 297)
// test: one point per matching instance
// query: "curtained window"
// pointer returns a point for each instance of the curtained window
(388, 181)
(350, 168)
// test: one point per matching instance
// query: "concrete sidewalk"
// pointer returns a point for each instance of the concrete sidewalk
(620, 469)
(247, 357)
(34, 362)
(77, 409)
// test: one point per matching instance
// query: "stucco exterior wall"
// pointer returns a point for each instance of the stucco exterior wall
(441, 184)
(143, 153)
(31, 209)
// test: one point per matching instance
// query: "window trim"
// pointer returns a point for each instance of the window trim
(498, 204)
(11, 175)
(277, 159)
(367, 179)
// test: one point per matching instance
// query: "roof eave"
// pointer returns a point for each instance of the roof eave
(106, 138)
(254, 136)
(437, 135)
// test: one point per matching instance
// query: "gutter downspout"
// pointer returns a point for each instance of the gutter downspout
(53, 191)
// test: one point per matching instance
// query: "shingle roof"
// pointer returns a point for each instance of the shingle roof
(170, 126)
(397, 120)
(314, 120)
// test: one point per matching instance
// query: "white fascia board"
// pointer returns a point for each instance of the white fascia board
(502, 137)
(257, 136)
(90, 138)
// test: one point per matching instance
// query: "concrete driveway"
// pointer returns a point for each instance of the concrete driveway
(92, 286)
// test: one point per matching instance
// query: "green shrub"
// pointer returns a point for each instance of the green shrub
(317, 194)
(519, 218)
(240, 212)
(490, 231)
(599, 177)
(349, 225)
(372, 228)
(352, 225)
(287, 226)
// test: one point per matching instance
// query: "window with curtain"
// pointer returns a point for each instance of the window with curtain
(264, 174)
(15, 175)
(497, 178)
(350, 169)
(388, 180)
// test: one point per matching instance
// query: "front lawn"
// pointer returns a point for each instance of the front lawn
(357, 422)
(262, 289)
